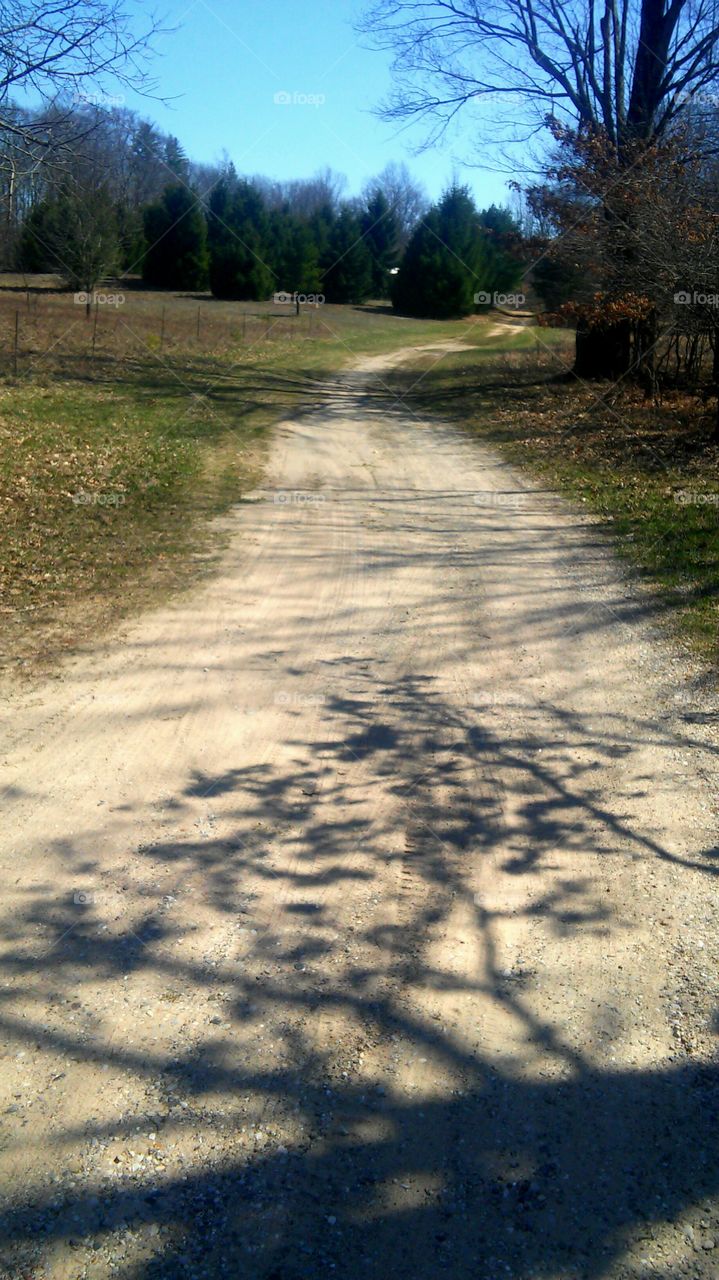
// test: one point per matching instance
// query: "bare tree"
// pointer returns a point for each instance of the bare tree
(68, 52)
(408, 201)
(629, 67)
(74, 235)
(627, 71)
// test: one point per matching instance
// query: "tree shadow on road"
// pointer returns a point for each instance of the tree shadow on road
(453, 1158)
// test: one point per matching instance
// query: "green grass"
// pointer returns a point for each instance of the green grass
(626, 460)
(98, 486)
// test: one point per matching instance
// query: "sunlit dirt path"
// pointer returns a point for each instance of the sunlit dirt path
(360, 907)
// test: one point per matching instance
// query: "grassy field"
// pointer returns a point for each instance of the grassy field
(649, 471)
(123, 431)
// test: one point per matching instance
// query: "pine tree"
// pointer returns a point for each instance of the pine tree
(176, 161)
(347, 266)
(176, 235)
(320, 223)
(295, 254)
(442, 267)
(147, 172)
(381, 234)
(74, 235)
(503, 250)
(240, 242)
(456, 253)
(130, 235)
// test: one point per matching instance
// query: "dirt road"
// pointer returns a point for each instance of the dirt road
(360, 908)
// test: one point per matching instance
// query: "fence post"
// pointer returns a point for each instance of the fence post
(17, 340)
(198, 322)
(162, 329)
(94, 329)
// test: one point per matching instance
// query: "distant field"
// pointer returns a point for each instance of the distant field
(121, 432)
(131, 323)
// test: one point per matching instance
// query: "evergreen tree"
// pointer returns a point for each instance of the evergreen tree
(504, 250)
(130, 235)
(239, 239)
(147, 174)
(295, 254)
(381, 233)
(442, 267)
(455, 253)
(176, 235)
(75, 235)
(556, 278)
(40, 229)
(175, 160)
(347, 266)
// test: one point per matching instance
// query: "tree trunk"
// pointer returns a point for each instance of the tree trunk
(645, 349)
(603, 351)
(715, 380)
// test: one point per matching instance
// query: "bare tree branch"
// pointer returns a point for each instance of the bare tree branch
(68, 52)
(627, 67)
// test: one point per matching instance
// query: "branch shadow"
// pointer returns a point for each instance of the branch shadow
(461, 1161)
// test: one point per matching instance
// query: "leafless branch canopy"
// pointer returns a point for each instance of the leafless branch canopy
(68, 51)
(630, 67)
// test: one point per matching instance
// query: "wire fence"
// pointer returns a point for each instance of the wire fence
(47, 331)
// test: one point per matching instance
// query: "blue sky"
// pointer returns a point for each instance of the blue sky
(226, 61)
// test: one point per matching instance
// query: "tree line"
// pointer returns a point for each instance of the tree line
(128, 200)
